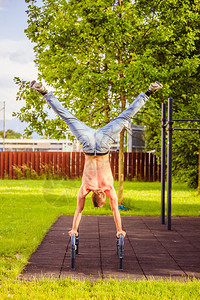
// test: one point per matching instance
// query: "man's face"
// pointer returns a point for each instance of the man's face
(100, 205)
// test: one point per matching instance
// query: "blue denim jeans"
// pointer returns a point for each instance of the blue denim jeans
(96, 141)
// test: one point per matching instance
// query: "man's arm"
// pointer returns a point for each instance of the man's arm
(114, 206)
(78, 213)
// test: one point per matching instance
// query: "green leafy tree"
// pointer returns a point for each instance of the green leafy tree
(181, 52)
(98, 55)
(11, 134)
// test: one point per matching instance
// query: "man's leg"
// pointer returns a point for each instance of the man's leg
(81, 131)
(108, 133)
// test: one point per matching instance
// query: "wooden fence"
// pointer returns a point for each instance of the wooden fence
(137, 165)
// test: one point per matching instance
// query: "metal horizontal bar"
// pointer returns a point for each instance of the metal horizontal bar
(187, 129)
(191, 120)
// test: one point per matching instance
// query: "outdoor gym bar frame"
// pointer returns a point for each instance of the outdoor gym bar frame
(169, 123)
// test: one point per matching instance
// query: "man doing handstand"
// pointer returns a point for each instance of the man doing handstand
(97, 176)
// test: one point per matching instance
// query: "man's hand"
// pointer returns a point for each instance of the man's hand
(121, 232)
(73, 232)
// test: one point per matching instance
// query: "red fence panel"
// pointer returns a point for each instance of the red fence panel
(77, 164)
(15, 161)
(73, 165)
(114, 159)
(68, 162)
(142, 165)
(137, 165)
(82, 163)
(125, 165)
(37, 162)
(1, 165)
(10, 164)
(6, 163)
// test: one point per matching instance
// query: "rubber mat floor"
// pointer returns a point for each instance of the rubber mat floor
(151, 251)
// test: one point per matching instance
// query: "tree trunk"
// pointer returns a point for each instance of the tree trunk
(121, 154)
(121, 168)
(121, 144)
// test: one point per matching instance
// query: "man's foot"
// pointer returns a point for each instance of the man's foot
(153, 87)
(38, 87)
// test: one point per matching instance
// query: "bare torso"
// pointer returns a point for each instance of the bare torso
(97, 173)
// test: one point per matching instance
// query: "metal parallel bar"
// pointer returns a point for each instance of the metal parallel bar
(163, 136)
(169, 158)
(186, 120)
(169, 163)
(77, 244)
(73, 251)
(121, 253)
(120, 250)
(187, 129)
(117, 246)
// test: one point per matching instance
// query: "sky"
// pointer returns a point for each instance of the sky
(16, 55)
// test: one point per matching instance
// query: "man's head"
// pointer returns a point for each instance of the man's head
(98, 198)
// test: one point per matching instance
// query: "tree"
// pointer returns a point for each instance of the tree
(98, 55)
(10, 134)
(181, 52)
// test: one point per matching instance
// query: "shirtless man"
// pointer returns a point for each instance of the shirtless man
(96, 143)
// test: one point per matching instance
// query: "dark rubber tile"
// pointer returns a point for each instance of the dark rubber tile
(151, 251)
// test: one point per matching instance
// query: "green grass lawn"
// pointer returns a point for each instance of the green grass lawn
(28, 209)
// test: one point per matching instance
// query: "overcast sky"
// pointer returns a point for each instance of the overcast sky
(16, 53)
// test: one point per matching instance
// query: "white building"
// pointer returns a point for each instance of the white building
(38, 145)
(135, 142)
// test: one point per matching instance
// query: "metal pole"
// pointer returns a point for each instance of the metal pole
(163, 135)
(187, 129)
(129, 138)
(169, 163)
(4, 124)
